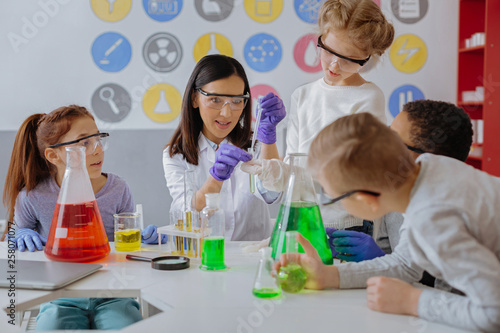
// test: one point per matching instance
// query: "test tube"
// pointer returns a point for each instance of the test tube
(252, 177)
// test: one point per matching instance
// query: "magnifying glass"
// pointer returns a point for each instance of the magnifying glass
(166, 263)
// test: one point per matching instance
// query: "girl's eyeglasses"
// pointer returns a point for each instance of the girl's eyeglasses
(89, 142)
(345, 63)
(219, 101)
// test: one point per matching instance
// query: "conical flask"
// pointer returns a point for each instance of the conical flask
(77, 233)
(265, 285)
(299, 211)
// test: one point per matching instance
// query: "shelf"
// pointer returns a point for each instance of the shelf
(475, 49)
(475, 158)
(473, 104)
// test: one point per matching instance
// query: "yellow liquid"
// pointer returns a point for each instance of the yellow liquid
(128, 240)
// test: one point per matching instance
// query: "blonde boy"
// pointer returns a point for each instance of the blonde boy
(451, 210)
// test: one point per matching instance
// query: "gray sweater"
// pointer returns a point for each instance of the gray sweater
(452, 230)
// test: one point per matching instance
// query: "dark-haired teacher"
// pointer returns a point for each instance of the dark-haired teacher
(213, 136)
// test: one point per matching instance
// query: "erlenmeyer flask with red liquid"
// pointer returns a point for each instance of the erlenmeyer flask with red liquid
(77, 233)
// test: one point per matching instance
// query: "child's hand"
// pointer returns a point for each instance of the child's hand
(28, 238)
(319, 275)
(149, 235)
(391, 295)
(273, 111)
(354, 246)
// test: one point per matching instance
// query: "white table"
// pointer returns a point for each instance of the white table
(192, 299)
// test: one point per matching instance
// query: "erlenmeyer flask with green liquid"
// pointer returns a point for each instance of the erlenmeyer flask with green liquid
(299, 211)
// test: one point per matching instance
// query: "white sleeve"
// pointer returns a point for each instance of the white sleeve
(440, 241)
(292, 131)
(174, 168)
(398, 264)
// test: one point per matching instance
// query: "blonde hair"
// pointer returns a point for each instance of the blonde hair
(360, 152)
(363, 21)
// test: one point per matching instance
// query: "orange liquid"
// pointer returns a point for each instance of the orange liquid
(77, 234)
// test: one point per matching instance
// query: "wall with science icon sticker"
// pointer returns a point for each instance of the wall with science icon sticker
(129, 61)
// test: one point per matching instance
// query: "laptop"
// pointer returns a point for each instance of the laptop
(44, 275)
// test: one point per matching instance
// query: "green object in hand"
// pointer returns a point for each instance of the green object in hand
(292, 278)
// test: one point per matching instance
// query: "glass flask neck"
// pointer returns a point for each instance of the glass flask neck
(75, 157)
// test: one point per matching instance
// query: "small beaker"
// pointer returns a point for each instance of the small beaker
(292, 277)
(265, 285)
(127, 231)
(213, 228)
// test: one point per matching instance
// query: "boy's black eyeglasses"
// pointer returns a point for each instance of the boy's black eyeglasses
(348, 194)
(361, 62)
(416, 150)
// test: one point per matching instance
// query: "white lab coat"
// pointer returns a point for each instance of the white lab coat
(247, 215)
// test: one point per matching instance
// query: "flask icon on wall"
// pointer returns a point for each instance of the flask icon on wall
(263, 7)
(162, 105)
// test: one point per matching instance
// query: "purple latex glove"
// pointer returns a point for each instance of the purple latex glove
(28, 238)
(329, 233)
(149, 235)
(226, 158)
(273, 111)
(355, 246)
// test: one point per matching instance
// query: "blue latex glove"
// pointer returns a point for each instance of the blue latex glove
(355, 246)
(329, 233)
(150, 236)
(226, 158)
(28, 238)
(273, 111)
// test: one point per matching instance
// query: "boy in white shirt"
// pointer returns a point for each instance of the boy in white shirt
(450, 207)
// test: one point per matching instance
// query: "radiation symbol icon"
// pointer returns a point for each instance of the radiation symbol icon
(162, 103)
(162, 52)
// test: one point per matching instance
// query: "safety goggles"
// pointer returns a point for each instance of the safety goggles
(348, 194)
(219, 101)
(89, 142)
(346, 64)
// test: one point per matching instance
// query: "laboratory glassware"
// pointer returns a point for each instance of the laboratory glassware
(213, 228)
(251, 150)
(292, 277)
(77, 233)
(265, 285)
(191, 216)
(300, 212)
(127, 231)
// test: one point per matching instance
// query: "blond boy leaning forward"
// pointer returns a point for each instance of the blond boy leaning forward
(451, 209)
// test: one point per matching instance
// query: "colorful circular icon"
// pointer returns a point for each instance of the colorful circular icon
(259, 90)
(212, 43)
(402, 95)
(162, 103)
(408, 53)
(306, 54)
(111, 11)
(263, 11)
(409, 11)
(111, 52)
(262, 52)
(162, 52)
(162, 10)
(307, 10)
(111, 103)
(214, 10)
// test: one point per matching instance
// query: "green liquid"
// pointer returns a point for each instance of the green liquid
(292, 278)
(252, 183)
(266, 292)
(305, 218)
(212, 256)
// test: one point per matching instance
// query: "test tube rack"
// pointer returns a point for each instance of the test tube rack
(181, 242)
